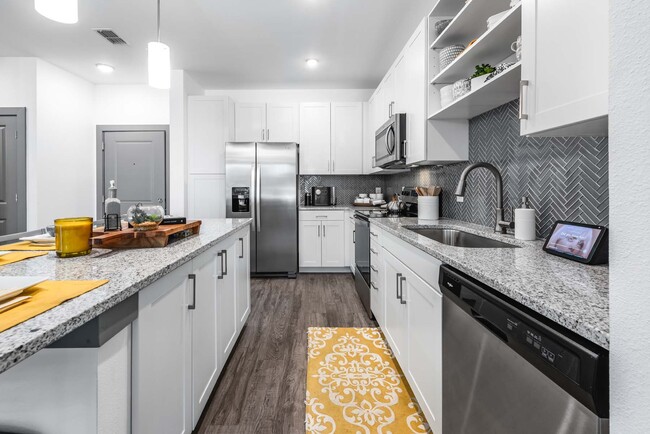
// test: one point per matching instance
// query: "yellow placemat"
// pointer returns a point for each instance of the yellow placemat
(10, 258)
(44, 297)
(26, 246)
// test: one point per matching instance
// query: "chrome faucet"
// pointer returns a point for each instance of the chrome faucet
(501, 224)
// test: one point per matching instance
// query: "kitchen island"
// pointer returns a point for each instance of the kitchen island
(164, 324)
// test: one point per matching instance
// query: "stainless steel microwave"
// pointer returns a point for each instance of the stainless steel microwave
(389, 143)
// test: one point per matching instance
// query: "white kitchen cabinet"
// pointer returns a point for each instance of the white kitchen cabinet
(413, 99)
(282, 122)
(226, 301)
(160, 351)
(424, 366)
(315, 138)
(310, 243)
(377, 287)
(322, 240)
(347, 138)
(395, 319)
(333, 244)
(250, 122)
(565, 64)
(243, 282)
(202, 309)
(208, 130)
(206, 196)
(272, 122)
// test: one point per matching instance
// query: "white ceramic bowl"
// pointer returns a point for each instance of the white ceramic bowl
(446, 95)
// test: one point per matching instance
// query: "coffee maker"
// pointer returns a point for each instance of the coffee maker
(323, 196)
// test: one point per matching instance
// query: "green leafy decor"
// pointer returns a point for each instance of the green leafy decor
(483, 70)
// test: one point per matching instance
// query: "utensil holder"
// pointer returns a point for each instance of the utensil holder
(428, 207)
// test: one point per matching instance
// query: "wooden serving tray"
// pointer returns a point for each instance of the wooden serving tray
(127, 238)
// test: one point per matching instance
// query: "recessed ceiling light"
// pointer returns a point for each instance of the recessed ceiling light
(62, 11)
(311, 63)
(106, 69)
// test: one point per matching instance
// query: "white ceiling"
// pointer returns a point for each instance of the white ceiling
(224, 44)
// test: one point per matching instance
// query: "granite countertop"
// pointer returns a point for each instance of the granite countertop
(335, 208)
(571, 294)
(128, 271)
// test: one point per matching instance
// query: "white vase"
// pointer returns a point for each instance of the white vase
(479, 82)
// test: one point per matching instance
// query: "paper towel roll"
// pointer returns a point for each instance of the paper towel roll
(525, 224)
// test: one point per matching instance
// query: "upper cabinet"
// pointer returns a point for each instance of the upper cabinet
(564, 88)
(209, 120)
(261, 122)
(347, 138)
(250, 122)
(331, 138)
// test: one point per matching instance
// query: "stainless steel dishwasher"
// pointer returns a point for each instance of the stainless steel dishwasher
(508, 370)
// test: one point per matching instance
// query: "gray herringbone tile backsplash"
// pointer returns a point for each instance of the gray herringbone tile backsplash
(565, 178)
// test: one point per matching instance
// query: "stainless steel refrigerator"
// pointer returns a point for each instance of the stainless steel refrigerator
(262, 184)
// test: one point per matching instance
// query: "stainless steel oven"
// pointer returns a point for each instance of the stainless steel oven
(389, 142)
(362, 259)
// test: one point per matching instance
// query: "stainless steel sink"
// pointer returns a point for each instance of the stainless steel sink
(453, 237)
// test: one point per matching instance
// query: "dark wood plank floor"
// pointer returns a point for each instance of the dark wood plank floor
(262, 388)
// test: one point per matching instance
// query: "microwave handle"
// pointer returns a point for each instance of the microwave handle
(388, 133)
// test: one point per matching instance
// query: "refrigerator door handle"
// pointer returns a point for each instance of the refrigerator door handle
(258, 197)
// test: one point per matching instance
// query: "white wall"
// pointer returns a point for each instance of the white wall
(131, 105)
(295, 95)
(65, 148)
(629, 186)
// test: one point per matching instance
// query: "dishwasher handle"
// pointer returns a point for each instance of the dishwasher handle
(489, 325)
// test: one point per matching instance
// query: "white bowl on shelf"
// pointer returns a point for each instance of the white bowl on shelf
(446, 95)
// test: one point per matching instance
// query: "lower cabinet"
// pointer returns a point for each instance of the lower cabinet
(323, 243)
(187, 326)
(411, 319)
(160, 348)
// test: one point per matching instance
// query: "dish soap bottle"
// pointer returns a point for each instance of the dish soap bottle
(525, 222)
(112, 210)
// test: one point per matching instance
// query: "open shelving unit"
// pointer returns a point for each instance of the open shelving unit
(491, 46)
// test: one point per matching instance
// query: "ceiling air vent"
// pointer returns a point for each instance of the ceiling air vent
(110, 36)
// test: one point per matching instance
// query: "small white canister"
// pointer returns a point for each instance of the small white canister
(525, 222)
(428, 207)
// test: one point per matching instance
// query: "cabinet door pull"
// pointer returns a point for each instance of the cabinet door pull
(522, 103)
(354, 237)
(242, 248)
(401, 290)
(373, 285)
(268, 134)
(262, 134)
(372, 267)
(398, 276)
(373, 251)
(192, 306)
(318, 231)
(323, 231)
(333, 166)
(225, 254)
(220, 255)
(373, 234)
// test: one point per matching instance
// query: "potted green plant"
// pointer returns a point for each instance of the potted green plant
(481, 73)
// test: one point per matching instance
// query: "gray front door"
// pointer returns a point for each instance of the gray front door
(137, 161)
(12, 171)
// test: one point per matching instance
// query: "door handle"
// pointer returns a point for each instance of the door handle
(318, 231)
(401, 290)
(354, 237)
(398, 276)
(242, 248)
(373, 285)
(258, 205)
(373, 251)
(522, 84)
(373, 234)
(225, 254)
(374, 269)
(323, 231)
(220, 255)
(333, 166)
(192, 306)
(262, 134)
(268, 134)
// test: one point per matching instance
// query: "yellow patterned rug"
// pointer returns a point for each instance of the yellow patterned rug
(354, 385)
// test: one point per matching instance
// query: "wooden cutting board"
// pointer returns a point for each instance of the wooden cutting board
(128, 238)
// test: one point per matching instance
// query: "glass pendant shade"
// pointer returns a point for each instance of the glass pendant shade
(159, 65)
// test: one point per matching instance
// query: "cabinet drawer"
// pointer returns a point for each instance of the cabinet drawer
(323, 215)
(422, 264)
(376, 235)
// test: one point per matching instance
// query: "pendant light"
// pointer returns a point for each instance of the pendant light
(62, 11)
(159, 63)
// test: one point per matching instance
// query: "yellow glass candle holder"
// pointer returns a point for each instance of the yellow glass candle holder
(73, 236)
